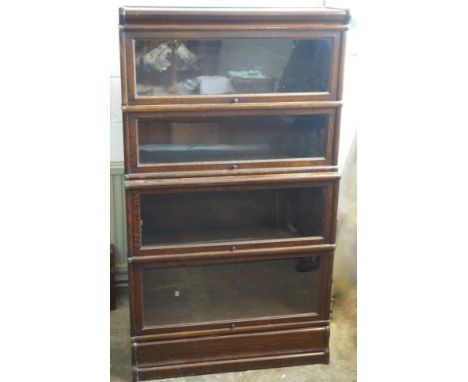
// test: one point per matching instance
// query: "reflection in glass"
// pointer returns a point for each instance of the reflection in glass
(193, 67)
(218, 216)
(225, 139)
(214, 292)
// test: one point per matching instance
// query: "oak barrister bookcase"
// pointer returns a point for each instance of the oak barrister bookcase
(231, 125)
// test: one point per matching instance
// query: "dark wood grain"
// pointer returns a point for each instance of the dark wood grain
(224, 32)
(150, 16)
(240, 171)
(123, 68)
(136, 170)
(247, 326)
(171, 352)
(144, 332)
(220, 366)
(212, 108)
(229, 182)
(325, 181)
(246, 251)
(341, 64)
(179, 349)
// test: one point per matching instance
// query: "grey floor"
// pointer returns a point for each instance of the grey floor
(342, 367)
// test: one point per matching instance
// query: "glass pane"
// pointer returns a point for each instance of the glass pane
(218, 216)
(230, 291)
(193, 67)
(228, 138)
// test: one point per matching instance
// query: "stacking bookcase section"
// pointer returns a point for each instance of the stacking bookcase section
(234, 213)
(203, 142)
(266, 310)
(218, 294)
(191, 356)
(176, 56)
(231, 127)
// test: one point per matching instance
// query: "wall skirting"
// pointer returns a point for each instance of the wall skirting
(118, 226)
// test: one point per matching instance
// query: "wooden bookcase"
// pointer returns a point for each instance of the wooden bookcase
(231, 130)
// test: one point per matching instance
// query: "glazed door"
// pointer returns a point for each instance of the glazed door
(241, 215)
(231, 66)
(204, 141)
(233, 293)
(198, 217)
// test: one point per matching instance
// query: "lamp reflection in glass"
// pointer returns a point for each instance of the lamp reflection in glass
(173, 55)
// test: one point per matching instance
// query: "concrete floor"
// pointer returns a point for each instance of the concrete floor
(342, 367)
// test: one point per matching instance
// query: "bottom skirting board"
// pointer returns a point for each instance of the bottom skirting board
(231, 352)
(221, 366)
